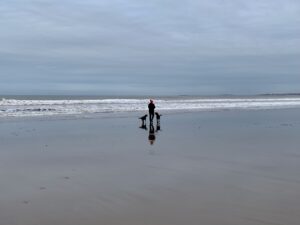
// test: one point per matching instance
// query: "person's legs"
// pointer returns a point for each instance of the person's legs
(151, 116)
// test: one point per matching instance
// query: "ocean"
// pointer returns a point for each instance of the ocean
(45, 106)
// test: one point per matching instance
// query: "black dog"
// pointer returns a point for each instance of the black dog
(157, 121)
(143, 118)
(158, 115)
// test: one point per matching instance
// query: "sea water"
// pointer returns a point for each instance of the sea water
(33, 106)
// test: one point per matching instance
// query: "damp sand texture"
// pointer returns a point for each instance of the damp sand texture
(212, 168)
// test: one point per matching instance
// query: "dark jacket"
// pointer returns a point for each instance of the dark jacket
(151, 108)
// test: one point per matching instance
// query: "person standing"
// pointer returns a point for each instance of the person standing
(151, 108)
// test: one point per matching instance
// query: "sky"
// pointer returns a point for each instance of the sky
(153, 47)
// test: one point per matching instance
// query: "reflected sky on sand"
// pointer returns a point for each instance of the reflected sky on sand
(228, 168)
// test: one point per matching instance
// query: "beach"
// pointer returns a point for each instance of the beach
(232, 167)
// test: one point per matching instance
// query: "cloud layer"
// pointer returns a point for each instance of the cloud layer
(145, 47)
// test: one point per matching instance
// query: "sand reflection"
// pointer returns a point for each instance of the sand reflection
(152, 130)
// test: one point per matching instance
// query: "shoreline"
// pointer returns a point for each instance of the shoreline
(135, 114)
(99, 107)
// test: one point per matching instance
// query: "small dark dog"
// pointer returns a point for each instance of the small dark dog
(143, 118)
(157, 121)
(158, 115)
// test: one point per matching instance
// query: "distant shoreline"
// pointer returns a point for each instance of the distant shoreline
(67, 97)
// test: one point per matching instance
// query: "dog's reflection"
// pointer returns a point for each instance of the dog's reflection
(157, 121)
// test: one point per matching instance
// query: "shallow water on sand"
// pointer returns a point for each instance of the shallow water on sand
(203, 168)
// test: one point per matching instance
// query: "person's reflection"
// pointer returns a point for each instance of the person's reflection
(151, 136)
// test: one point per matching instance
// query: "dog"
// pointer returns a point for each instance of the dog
(143, 118)
(158, 115)
(157, 121)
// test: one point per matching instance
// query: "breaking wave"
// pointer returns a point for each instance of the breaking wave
(31, 108)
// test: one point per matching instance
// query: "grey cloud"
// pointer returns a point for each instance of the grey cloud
(197, 46)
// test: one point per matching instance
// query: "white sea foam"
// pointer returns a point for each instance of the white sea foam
(23, 108)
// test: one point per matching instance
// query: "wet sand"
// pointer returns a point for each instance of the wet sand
(212, 168)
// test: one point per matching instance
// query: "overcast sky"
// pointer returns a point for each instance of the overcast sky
(161, 47)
